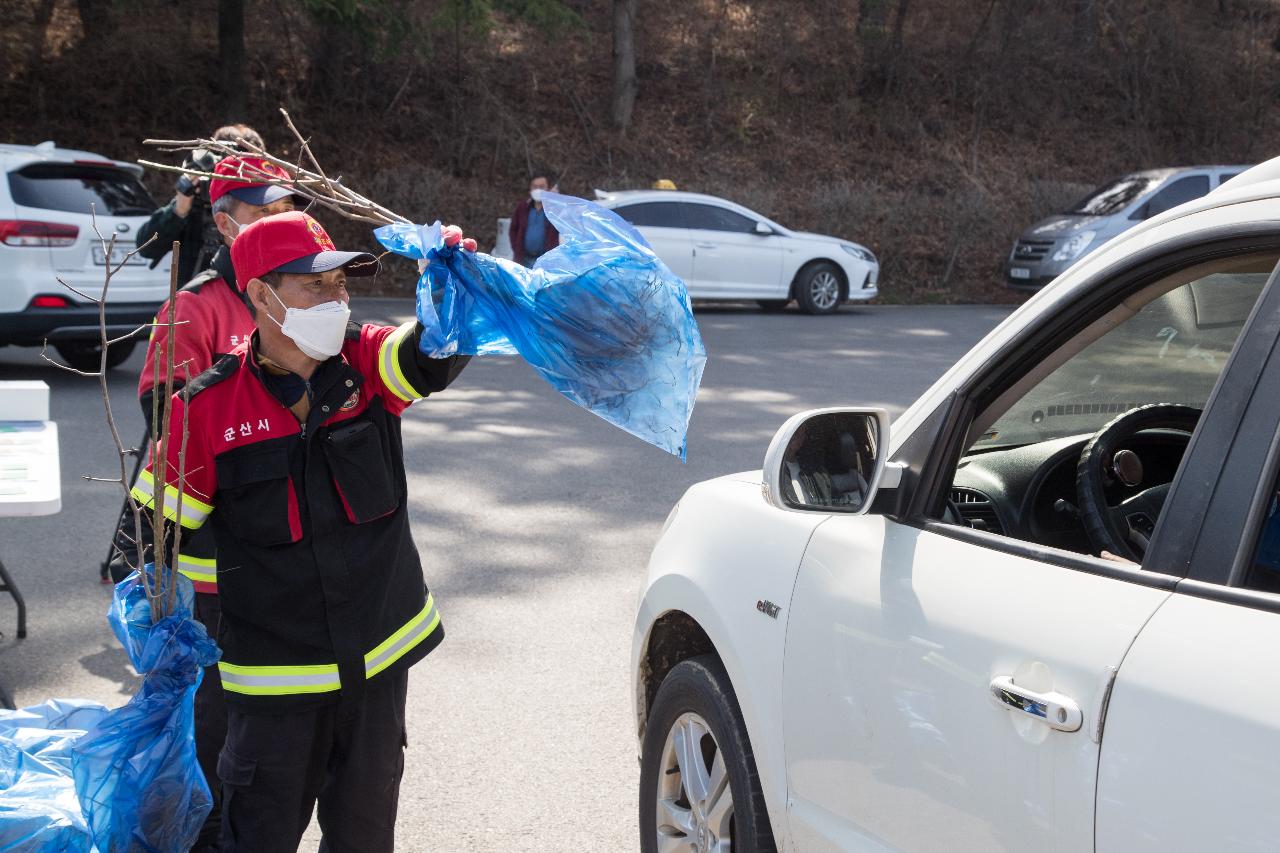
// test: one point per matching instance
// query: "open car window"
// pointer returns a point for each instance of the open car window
(1079, 452)
(1169, 350)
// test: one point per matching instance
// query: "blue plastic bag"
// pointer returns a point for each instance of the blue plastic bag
(75, 776)
(39, 812)
(600, 317)
(136, 773)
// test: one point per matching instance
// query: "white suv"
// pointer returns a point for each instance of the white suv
(47, 201)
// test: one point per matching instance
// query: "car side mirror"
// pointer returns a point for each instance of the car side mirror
(828, 460)
(763, 229)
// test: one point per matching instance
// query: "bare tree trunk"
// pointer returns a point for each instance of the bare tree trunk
(624, 62)
(231, 58)
(895, 45)
(95, 18)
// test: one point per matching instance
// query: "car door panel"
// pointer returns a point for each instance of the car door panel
(738, 266)
(675, 249)
(893, 739)
(1192, 734)
(730, 260)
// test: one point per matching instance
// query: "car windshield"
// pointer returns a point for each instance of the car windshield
(1171, 351)
(75, 188)
(1115, 196)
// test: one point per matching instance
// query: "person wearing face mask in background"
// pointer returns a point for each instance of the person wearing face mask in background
(214, 318)
(212, 306)
(295, 462)
(532, 234)
(187, 218)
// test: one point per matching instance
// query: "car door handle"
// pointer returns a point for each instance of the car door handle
(707, 245)
(1058, 711)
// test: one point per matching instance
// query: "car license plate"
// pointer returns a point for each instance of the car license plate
(118, 254)
(1019, 272)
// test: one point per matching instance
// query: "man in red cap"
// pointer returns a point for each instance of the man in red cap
(214, 318)
(211, 307)
(295, 461)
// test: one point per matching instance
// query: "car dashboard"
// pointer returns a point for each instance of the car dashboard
(1028, 491)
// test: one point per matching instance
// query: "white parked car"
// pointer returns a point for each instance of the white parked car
(904, 637)
(47, 200)
(723, 250)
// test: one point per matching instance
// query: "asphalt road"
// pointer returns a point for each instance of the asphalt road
(535, 521)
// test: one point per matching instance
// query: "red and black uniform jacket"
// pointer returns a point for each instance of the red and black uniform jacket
(212, 319)
(320, 582)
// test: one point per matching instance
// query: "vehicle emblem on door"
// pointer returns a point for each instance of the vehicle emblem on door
(122, 227)
(768, 608)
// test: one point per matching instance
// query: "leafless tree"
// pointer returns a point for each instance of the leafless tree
(159, 584)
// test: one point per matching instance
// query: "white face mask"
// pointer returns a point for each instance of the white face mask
(536, 195)
(319, 330)
(240, 226)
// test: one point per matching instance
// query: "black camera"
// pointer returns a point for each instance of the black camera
(201, 160)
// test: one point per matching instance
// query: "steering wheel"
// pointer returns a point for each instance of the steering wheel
(1125, 530)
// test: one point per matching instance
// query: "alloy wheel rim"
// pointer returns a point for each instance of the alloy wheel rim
(824, 289)
(694, 800)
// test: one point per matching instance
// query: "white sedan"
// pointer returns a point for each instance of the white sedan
(723, 250)
(1041, 611)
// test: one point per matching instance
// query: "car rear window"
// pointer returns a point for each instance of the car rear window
(660, 214)
(75, 188)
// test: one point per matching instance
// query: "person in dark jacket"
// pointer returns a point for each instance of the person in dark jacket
(532, 234)
(186, 218)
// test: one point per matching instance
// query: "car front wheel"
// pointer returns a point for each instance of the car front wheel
(699, 789)
(88, 356)
(819, 289)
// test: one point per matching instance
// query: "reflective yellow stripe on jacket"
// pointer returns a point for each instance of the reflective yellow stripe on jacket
(322, 678)
(389, 364)
(194, 511)
(203, 569)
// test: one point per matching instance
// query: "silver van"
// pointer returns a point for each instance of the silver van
(1046, 249)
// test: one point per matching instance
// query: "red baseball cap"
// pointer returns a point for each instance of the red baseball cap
(292, 242)
(256, 189)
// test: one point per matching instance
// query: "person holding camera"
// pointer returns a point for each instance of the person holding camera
(187, 217)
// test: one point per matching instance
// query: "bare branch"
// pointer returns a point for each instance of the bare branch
(310, 182)
(86, 297)
(44, 353)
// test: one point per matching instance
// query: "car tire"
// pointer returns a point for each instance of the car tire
(88, 356)
(773, 306)
(696, 702)
(820, 288)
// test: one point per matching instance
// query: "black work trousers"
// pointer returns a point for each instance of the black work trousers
(211, 726)
(346, 757)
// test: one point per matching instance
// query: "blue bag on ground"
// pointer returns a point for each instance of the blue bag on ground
(600, 317)
(75, 776)
(39, 812)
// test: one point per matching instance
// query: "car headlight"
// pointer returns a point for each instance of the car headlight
(1075, 247)
(859, 252)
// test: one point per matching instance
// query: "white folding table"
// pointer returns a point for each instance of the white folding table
(30, 485)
